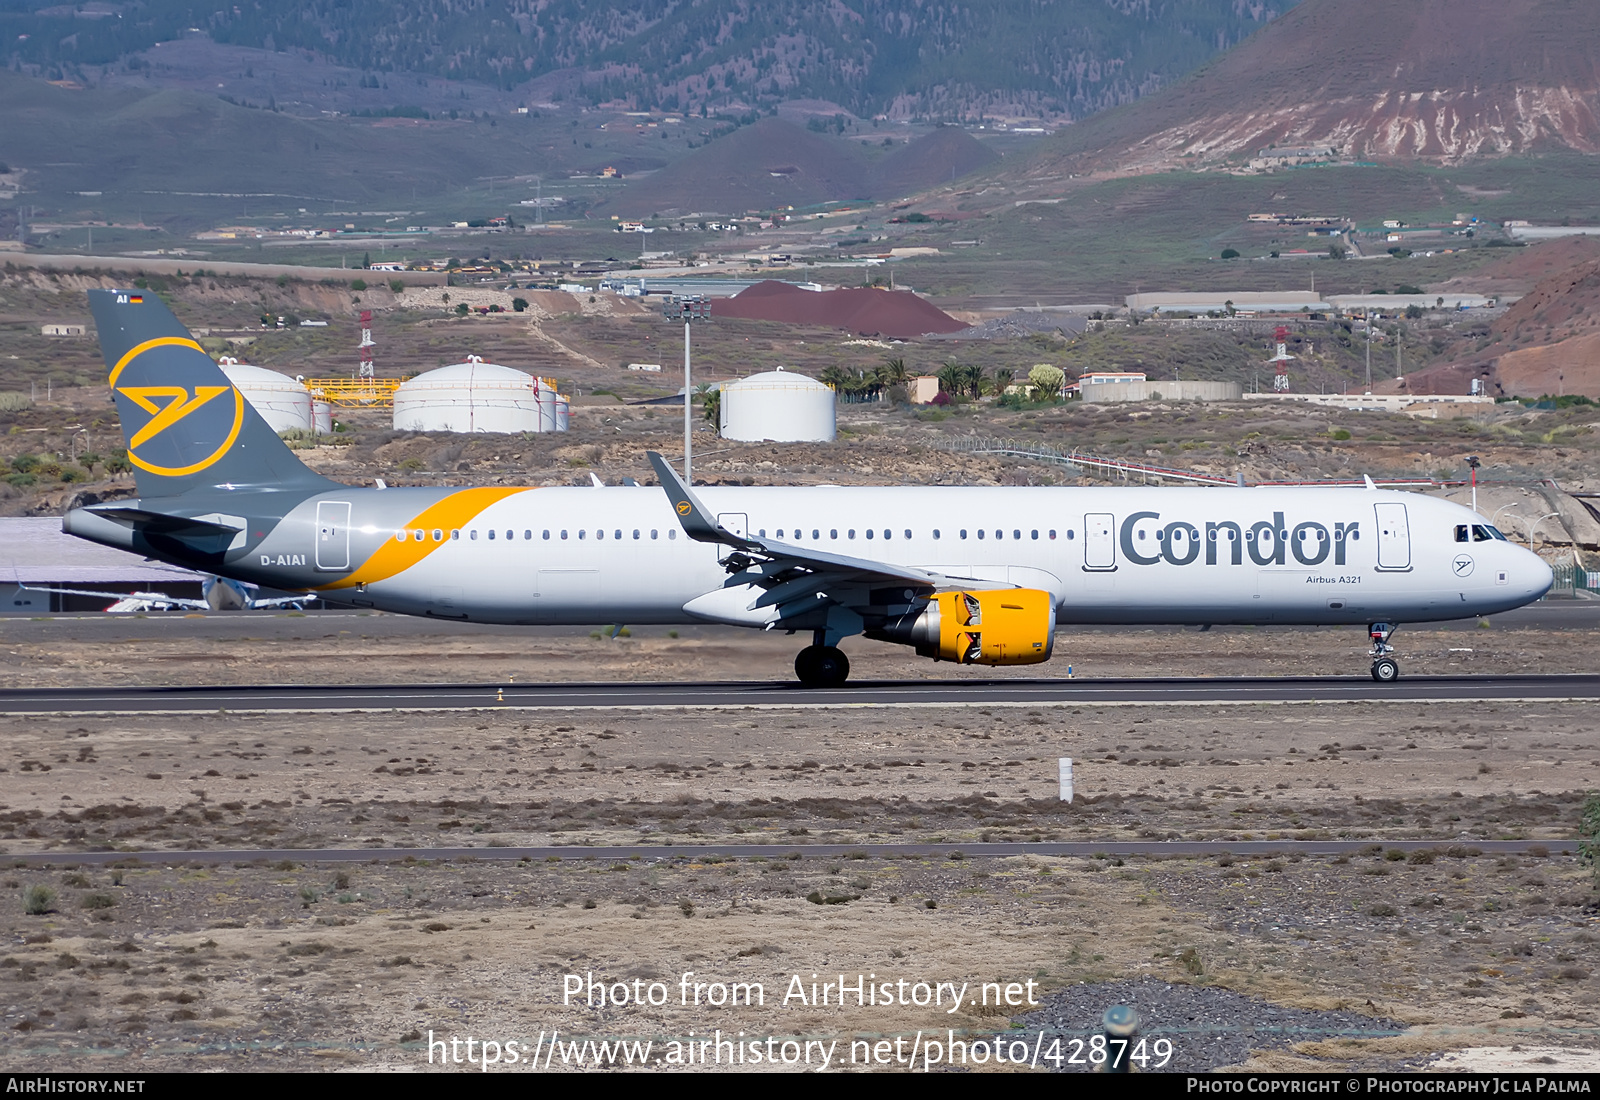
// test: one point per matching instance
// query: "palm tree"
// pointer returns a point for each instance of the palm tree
(895, 372)
(1002, 377)
(953, 378)
(974, 380)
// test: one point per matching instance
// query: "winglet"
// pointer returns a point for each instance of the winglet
(1368, 479)
(697, 522)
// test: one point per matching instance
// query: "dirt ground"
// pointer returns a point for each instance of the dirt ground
(299, 964)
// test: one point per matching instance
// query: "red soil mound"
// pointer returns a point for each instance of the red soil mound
(898, 314)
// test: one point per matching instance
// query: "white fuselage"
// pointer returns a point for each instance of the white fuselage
(1107, 555)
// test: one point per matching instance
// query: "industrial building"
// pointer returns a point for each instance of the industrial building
(778, 406)
(36, 553)
(474, 396)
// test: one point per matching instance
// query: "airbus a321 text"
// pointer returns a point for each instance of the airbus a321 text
(977, 576)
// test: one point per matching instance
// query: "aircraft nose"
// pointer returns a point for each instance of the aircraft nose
(1540, 575)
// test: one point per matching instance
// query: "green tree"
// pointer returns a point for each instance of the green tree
(1047, 380)
(1002, 377)
(952, 378)
(711, 407)
(1230, 253)
(895, 372)
(519, 304)
(358, 284)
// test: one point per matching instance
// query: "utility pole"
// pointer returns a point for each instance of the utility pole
(688, 310)
(1369, 350)
(1472, 464)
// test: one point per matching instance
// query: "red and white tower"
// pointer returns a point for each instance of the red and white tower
(367, 344)
(1280, 381)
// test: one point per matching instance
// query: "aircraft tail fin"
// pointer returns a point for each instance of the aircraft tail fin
(185, 425)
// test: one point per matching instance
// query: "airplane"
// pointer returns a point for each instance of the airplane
(217, 594)
(971, 575)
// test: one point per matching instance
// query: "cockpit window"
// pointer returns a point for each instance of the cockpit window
(1482, 532)
(1461, 532)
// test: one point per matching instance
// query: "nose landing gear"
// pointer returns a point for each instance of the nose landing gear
(1385, 669)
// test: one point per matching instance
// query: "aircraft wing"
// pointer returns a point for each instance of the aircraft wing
(160, 599)
(773, 557)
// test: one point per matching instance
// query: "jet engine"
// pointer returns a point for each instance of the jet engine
(1008, 626)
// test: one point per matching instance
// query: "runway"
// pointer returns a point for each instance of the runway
(790, 695)
(1107, 849)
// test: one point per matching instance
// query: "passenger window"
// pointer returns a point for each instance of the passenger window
(908, 532)
(438, 535)
(761, 534)
(635, 534)
(936, 532)
(779, 535)
(511, 534)
(1018, 534)
(491, 533)
(455, 534)
(981, 532)
(869, 533)
(963, 532)
(1036, 536)
(600, 534)
(563, 535)
(399, 536)
(527, 536)
(417, 535)
(887, 533)
(672, 532)
(834, 533)
(616, 534)
(473, 535)
(815, 534)
(547, 536)
(583, 533)
(655, 534)
(1461, 532)
(851, 532)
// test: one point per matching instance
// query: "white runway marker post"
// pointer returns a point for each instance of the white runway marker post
(1066, 778)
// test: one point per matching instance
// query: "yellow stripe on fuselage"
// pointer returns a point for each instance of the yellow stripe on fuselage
(450, 514)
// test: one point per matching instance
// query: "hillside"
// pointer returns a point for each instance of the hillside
(1548, 342)
(1442, 80)
(898, 58)
(775, 163)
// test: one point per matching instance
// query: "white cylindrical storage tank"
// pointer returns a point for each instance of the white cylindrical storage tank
(322, 416)
(468, 397)
(563, 413)
(547, 407)
(282, 402)
(780, 406)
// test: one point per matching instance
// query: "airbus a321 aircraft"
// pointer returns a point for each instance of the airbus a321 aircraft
(978, 576)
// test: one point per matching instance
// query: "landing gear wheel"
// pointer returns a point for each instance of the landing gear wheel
(1386, 670)
(821, 666)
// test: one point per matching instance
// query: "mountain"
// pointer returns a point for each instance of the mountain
(1548, 342)
(1440, 80)
(774, 163)
(897, 58)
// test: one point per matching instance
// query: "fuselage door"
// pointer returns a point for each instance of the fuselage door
(1099, 541)
(1394, 538)
(735, 523)
(333, 535)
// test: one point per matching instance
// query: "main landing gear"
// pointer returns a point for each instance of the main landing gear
(822, 666)
(1385, 669)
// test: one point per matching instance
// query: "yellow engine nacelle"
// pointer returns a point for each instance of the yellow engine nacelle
(1008, 626)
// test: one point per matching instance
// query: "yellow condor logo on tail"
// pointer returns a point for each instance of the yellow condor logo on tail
(683, 507)
(170, 405)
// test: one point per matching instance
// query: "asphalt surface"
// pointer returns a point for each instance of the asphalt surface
(789, 694)
(1573, 614)
(1108, 849)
